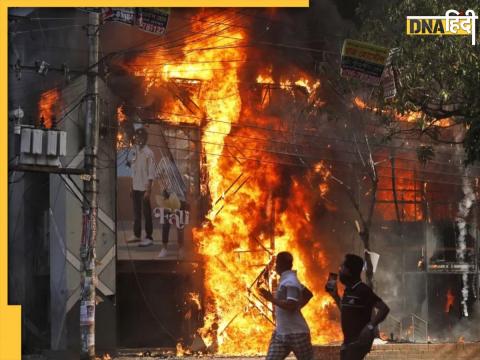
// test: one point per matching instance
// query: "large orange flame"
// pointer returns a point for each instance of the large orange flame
(258, 206)
(408, 200)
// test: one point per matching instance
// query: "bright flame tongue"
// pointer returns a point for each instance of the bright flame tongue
(222, 111)
(244, 197)
(410, 116)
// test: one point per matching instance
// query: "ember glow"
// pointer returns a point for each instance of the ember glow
(411, 116)
(47, 107)
(121, 114)
(195, 299)
(408, 192)
(450, 300)
(259, 206)
(180, 350)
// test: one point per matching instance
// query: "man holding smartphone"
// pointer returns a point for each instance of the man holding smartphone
(356, 308)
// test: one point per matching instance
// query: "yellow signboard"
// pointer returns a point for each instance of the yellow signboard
(363, 61)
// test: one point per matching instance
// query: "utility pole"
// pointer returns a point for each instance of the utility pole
(89, 218)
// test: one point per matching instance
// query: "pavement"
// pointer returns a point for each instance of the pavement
(444, 351)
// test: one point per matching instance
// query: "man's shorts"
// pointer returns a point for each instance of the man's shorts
(281, 345)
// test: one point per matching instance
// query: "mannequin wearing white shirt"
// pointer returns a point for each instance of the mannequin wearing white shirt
(143, 173)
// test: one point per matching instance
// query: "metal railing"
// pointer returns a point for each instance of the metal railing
(412, 328)
(392, 328)
(419, 329)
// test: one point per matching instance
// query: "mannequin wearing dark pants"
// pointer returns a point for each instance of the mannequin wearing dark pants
(140, 204)
(166, 231)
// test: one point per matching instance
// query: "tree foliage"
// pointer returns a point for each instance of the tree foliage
(437, 75)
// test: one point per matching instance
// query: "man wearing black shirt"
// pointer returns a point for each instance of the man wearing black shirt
(356, 307)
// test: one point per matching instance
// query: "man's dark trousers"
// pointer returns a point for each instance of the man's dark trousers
(354, 351)
(139, 203)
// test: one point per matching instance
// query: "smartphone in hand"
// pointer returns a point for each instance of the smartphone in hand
(331, 282)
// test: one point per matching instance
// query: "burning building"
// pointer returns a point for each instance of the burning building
(259, 198)
(268, 159)
(265, 152)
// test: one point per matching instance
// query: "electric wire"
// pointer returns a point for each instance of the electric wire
(236, 39)
(288, 133)
(330, 162)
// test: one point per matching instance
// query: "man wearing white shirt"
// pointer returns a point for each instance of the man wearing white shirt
(291, 330)
(143, 173)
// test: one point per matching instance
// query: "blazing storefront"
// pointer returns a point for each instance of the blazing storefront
(253, 146)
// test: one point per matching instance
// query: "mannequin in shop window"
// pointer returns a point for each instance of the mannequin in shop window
(143, 174)
(171, 204)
